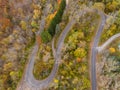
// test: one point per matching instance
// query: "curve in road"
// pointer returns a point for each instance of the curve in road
(93, 51)
(39, 85)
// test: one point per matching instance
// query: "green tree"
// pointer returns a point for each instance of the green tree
(112, 6)
(34, 25)
(80, 52)
(57, 18)
(23, 25)
(46, 37)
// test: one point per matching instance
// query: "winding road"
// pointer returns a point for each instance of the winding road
(94, 51)
(29, 80)
(30, 83)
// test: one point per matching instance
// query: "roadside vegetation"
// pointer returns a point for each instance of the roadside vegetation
(17, 36)
(109, 67)
(47, 34)
(44, 61)
(73, 73)
(57, 18)
(109, 60)
(19, 22)
(112, 27)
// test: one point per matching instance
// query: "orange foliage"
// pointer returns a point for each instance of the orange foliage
(78, 60)
(52, 15)
(38, 39)
(59, 1)
(3, 4)
(4, 23)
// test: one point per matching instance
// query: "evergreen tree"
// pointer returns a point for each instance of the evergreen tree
(57, 19)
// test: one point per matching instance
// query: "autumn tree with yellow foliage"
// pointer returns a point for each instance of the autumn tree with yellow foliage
(112, 50)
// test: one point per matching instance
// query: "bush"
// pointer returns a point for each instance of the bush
(46, 37)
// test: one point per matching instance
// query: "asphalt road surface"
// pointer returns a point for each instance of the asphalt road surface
(30, 83)
(94, 51)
